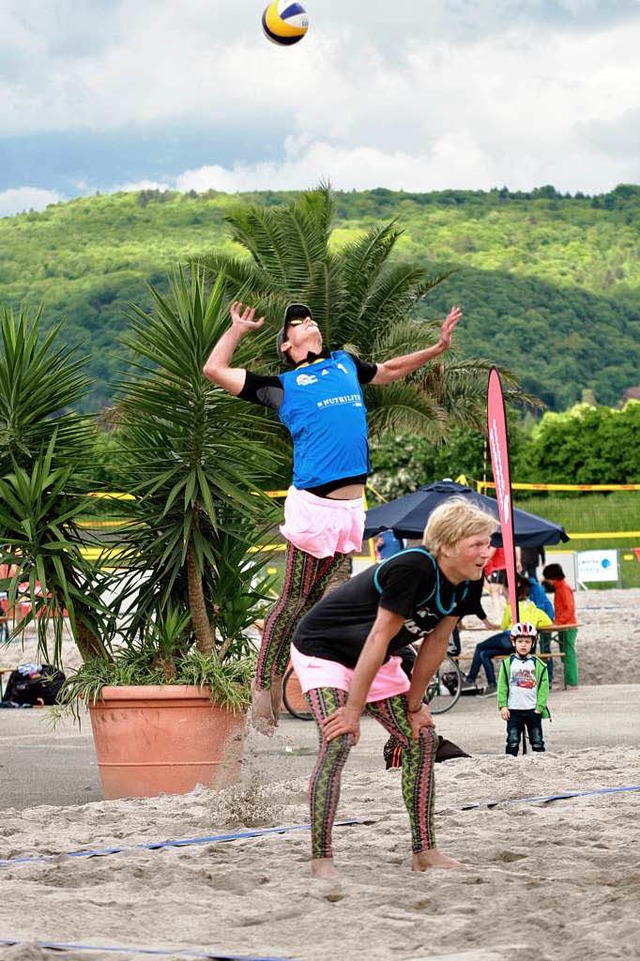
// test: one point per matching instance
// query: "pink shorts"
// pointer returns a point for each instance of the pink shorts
(315, 672)
(321, 526)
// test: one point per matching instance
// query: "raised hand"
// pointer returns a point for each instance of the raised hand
(242, 318)
(449, 325)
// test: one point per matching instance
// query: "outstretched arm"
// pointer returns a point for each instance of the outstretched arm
(218, 367)
(399, 367)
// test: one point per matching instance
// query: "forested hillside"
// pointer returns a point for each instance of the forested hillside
(550, 284)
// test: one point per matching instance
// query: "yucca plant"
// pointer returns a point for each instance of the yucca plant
(45, 462)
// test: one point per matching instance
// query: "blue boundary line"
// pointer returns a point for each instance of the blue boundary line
(181, 843)
(157, 952)
(564, 795)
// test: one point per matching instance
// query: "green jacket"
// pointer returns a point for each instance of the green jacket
(542, 684)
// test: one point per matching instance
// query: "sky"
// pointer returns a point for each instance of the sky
(416, 95)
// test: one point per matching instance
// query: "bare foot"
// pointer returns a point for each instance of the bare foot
(433, 858)
(261, 713)
(323, 868)
(276, 697)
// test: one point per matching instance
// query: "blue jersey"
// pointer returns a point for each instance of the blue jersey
(323, 409)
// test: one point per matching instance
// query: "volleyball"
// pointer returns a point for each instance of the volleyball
(285, 22)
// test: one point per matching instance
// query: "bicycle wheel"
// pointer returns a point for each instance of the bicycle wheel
(293, 699)
(444, 690)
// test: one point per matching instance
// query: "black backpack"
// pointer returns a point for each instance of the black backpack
(31, 684)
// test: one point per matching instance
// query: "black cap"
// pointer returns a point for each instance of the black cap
(293, 312)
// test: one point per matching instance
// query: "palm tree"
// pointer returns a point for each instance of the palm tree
(361, 298)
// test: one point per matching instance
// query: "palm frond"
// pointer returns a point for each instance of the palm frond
(42, 543)
(39, 383)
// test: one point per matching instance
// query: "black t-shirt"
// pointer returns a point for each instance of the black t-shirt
(409, 583)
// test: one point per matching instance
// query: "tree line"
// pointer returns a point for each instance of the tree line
(584, 445)
(550, 283)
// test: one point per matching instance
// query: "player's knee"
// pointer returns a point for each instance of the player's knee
(427, 742)
(338, 748)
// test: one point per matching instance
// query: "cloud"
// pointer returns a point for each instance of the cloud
(466, 93)
(347, 168)
(456, 160)
(20, 199)
(554, 108)
(70, 65)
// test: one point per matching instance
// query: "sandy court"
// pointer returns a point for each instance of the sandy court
(542, 880)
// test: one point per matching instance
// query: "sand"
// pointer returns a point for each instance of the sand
(542, 880)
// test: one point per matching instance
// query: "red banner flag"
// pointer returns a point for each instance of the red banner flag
(499, 448)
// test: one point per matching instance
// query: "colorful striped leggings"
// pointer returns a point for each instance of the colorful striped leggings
(418, 789)
(305, 581)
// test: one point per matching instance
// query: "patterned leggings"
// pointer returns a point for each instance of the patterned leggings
(305, 580)
(418, 789)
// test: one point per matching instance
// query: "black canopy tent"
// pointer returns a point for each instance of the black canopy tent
(407, 516)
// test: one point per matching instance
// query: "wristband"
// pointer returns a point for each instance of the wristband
(413, 710)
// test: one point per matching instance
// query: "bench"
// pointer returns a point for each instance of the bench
(543, 655)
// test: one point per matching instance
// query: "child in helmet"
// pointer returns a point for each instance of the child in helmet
(523, 689)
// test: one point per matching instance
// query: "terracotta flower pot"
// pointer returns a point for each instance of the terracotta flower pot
(164, 739)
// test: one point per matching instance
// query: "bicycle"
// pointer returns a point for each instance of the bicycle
(292, 698)
(445, 687)
(441, 695)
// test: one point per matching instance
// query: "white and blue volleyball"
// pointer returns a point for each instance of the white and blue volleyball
(284, 22)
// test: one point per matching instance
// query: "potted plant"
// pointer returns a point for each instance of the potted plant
(169, 624)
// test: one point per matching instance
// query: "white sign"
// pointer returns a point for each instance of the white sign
(597, 566)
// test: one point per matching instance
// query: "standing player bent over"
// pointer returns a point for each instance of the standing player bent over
(345, 653)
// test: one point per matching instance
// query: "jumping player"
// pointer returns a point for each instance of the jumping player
(319, 400)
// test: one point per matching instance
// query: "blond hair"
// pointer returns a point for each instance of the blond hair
(453, 520)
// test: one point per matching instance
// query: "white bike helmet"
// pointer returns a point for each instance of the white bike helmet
(524, 629)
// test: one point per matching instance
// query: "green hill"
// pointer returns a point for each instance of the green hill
(550, 284)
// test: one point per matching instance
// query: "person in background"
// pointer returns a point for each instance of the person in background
(540, 598)
(4, 627)
(564, 604)
(496, 577)
(6, 573)
(530, 560)
(500, 644)
(387, 544)
(523, 689)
